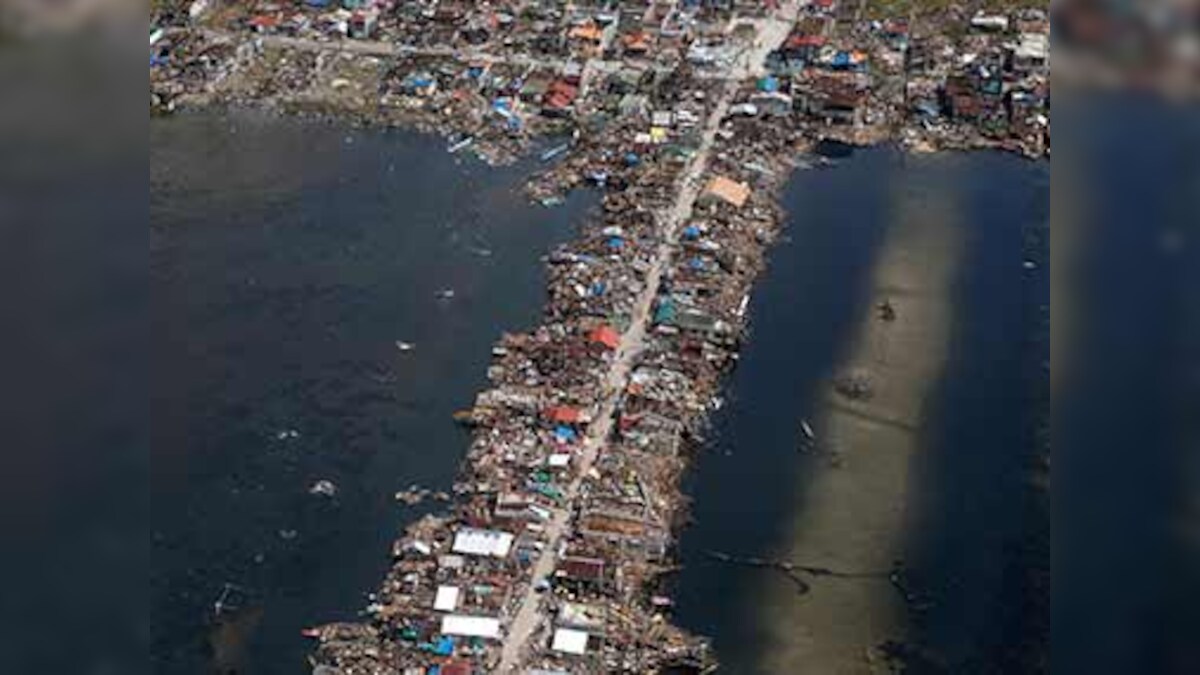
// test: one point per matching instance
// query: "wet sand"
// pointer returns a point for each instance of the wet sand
(851, 513)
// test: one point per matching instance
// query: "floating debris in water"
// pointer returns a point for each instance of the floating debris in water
(325, 488)
(230, 599)
(460, 145)
(405, 346)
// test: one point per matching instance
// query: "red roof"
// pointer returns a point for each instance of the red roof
(563, 414)
(589, 569)
(797, 41)
(561, 94)
(456, 668)
(264, 21)
(606, 336)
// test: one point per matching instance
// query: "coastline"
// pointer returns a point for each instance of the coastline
(653, 393)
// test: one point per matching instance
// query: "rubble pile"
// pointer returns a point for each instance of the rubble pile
(956, 79)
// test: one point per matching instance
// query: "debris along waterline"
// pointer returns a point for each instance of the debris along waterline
(931, 78)
(550, 557)
(587, 478)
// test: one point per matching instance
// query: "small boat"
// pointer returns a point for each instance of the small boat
(325, 488)
(465, 416)
(808, 431)
(554, 152)
(460, 145)
(446, 293)
(405, 346)
(311, 632)
(228, 601)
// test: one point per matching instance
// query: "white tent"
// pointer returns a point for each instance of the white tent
(471, 626)
(447, 599)
(570, 641)
(482, 542)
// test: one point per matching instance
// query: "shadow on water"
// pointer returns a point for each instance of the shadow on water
(750, 477)
(287, 258)
(744, 482)
(831, 149)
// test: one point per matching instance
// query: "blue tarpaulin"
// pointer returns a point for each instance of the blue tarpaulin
(697, 264)
(632, 159)
(665, 312)
(418, 82)
(564, 433)
(599, 288)
(616, 242)
(768, 83)
(445, 646)
(691, 232)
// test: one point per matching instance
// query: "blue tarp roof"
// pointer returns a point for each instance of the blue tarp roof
(564, 433)
(445, 646)
(691, 232)
(665, 312)
(616, 242)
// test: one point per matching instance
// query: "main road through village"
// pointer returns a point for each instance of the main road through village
(769, 33)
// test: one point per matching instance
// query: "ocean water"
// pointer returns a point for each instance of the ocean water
(1127, 457)
(975, 526)
(287, 258)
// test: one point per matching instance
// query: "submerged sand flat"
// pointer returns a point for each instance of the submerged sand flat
(850, 511)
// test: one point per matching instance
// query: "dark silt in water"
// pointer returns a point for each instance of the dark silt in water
(971, 515)
(287, 258)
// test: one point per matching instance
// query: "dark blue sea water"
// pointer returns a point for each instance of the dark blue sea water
(287, 258)
(970, 509)
(1127, 442)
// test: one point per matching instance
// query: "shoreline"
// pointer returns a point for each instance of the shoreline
(634, 429)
